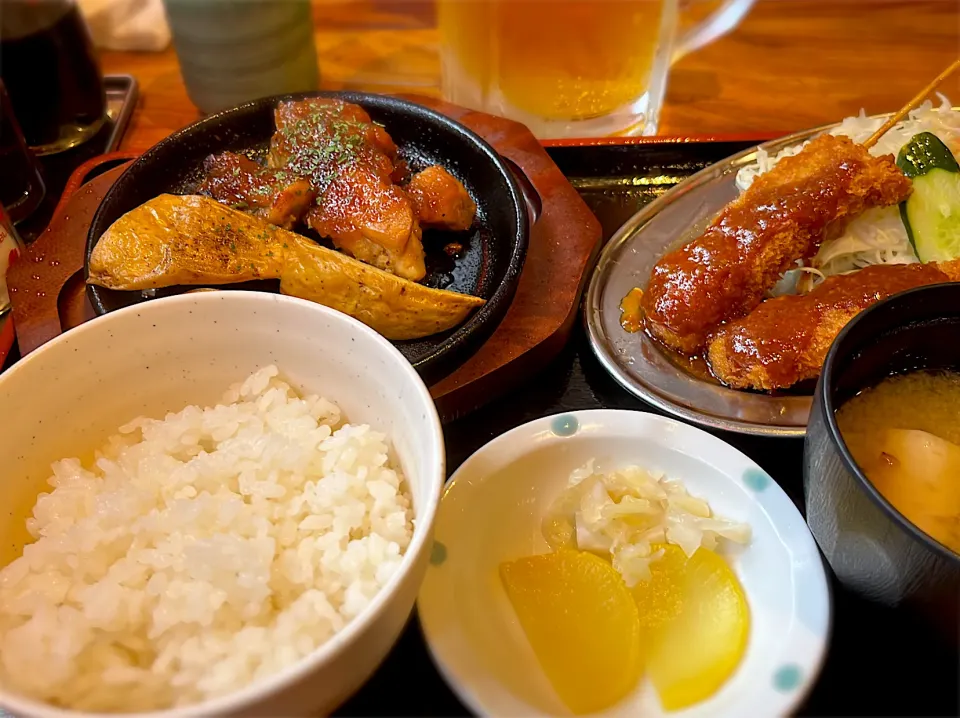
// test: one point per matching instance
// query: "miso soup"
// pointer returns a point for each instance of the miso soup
(905, 435)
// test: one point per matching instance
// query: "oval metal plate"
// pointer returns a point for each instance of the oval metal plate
(638, 363)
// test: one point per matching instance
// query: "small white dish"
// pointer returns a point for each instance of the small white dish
(491, 512)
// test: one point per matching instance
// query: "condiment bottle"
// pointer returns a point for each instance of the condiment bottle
(48, 65)
(10, 248)
(21, 184)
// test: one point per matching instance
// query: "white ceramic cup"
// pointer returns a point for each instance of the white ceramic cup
(159, 356)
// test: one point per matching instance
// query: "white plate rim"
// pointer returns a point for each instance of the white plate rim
(616, 421)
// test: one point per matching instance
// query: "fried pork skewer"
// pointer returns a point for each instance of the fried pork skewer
(784, 216)
(785, 340)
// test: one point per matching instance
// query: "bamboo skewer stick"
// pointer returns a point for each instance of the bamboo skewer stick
(920, 97)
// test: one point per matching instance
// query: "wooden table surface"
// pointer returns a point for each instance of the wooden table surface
(790, 65)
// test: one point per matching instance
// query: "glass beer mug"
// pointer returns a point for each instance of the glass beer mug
(571, 68)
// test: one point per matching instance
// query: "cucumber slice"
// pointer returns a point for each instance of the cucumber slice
(931, 214)
(923, 153)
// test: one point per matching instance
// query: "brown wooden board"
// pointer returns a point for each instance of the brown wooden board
(48, 294)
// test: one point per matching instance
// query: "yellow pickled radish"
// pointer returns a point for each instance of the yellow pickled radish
(660, 598)
(695, 618)
(582, 623)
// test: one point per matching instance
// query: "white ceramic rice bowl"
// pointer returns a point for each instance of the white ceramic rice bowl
(71, 394)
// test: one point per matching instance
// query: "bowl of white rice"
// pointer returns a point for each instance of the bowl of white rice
(220, 503)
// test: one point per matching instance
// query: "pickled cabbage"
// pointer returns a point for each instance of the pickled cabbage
(627, 513)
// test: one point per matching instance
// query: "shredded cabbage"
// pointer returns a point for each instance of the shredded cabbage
(626, 513)
(878, 235)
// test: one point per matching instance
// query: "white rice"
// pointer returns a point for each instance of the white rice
(878, 236)
(201, 552)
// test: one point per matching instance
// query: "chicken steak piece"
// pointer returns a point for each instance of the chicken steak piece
(350, 163)
(441, 200)
(271, 194)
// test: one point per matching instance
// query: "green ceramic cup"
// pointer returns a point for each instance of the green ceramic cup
(234, 51)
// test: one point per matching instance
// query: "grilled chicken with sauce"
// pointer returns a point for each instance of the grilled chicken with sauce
(350, 162)
(334, 169)
(271, 194)
(441, 200)
(371, 220)
(329, 119)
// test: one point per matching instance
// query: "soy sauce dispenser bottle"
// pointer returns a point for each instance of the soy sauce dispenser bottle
(21, 182)
(48, 65)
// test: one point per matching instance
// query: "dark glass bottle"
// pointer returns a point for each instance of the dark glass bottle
(48, 65)
(21, 184)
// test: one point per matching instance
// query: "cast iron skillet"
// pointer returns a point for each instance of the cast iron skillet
(493, 251)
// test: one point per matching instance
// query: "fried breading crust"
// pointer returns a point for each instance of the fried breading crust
(784, 216)
(785, 340)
